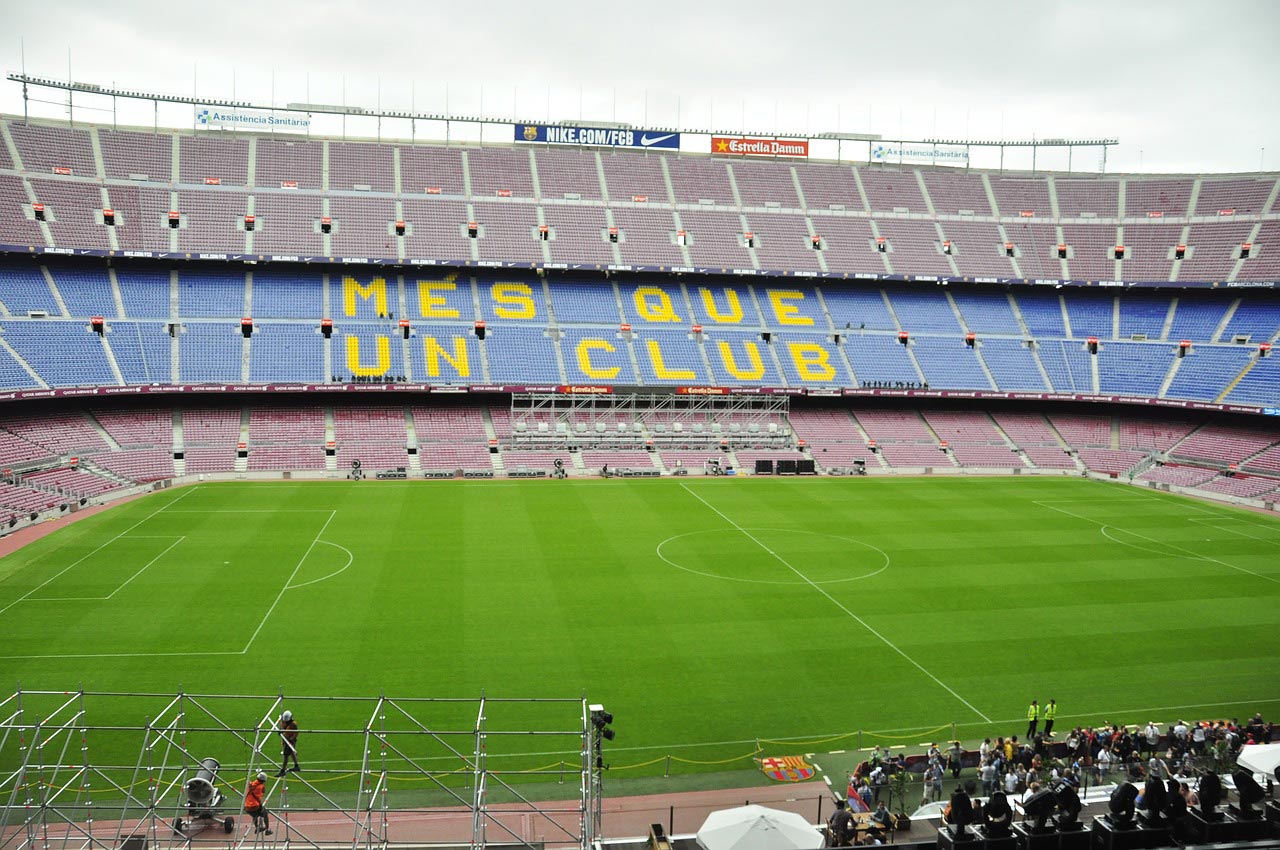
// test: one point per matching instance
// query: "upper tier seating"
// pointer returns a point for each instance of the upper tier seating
(290, 183)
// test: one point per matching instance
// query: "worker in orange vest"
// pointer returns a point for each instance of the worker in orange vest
(254, 806)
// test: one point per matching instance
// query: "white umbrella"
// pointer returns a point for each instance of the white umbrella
(1260, 758)
(757, 828)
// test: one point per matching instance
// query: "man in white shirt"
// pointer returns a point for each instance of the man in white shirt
(878, 781)
(1151, 737)
(988, 774)
(1011, 783)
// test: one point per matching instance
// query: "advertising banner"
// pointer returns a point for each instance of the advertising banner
(608, 137)
(919, 153)
(741, 146)
(229, 118)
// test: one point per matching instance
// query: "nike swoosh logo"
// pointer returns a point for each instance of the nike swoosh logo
(645, 141)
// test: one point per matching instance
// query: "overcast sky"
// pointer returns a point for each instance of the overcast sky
(1184, 85)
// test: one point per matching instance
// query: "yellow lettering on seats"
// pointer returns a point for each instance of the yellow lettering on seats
(787, 313)
(584, 349)
(755, 373)
(518, 297)
(733, 317)
(434, 352)
(813, 362)
(431, 303)
(661, 310)
(377, 290)
(353, 357)
(660, 367)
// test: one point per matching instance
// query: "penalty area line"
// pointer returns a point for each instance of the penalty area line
(838, 604)
(83, 558)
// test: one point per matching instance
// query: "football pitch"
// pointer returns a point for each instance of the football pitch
(705, 614)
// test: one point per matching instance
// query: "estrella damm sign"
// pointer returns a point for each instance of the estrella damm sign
(787, 769)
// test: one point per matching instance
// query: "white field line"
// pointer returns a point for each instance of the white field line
(1187, 553)
(285, 587)
(148, 564)
(83, 558)
(232, 652)
(251, 511)
(837, 603)
(176, 540)
(350, 560)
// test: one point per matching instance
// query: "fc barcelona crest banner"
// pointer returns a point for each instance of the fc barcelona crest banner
(787, 769)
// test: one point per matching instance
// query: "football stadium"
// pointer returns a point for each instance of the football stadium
(383, 478)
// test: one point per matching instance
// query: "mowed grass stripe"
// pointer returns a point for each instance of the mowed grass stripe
(555, 589)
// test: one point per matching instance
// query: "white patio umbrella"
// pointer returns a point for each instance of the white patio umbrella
(757, 828)
(1260, 758)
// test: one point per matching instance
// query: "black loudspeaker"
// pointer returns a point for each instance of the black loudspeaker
(806, 467)
(766, 336)
(764, 467)
(134, 843)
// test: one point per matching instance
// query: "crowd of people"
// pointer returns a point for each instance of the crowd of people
(1013, 770)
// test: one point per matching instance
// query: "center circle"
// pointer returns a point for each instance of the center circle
(773, 556)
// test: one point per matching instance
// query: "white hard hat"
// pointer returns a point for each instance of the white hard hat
(288, 715)
(262, 775)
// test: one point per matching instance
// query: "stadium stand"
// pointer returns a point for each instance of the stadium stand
(178, 320)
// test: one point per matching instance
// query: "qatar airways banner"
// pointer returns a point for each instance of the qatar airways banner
(741, 146)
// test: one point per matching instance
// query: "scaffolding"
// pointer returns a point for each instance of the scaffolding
(650, 420)
(75, 775)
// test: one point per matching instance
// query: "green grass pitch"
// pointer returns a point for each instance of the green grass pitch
(705, 614)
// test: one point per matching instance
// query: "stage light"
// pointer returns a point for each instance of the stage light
(1068, 804)
(1040, 806)
(1122, 803)
(1210, 793)
(997, 815)
(1154, 800)
(1251, 793)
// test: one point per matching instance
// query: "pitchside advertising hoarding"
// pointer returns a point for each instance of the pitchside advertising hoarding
(607, 137)
(742, 146)
(217, 117)
(920, 153)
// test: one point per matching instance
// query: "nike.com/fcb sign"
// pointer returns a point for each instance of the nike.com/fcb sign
(555, 134)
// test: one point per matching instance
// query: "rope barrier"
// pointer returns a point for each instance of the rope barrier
(909, 735)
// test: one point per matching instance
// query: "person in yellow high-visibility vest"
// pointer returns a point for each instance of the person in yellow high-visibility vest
(1033, 719)
(1050, 712)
